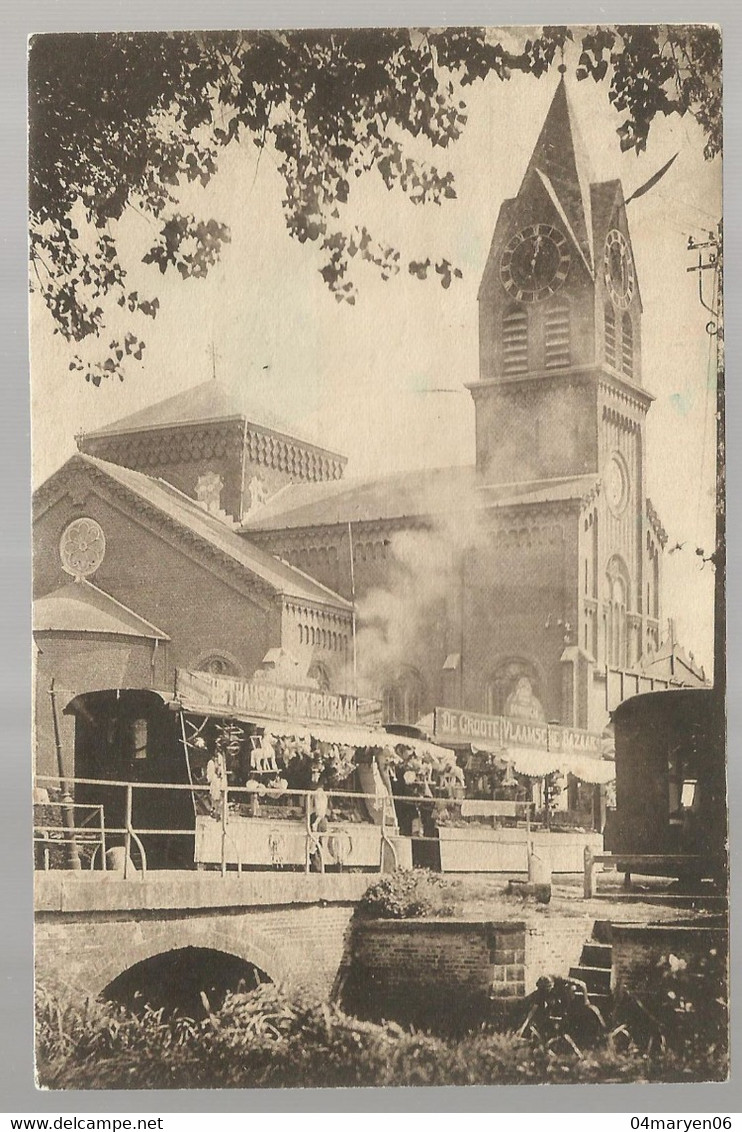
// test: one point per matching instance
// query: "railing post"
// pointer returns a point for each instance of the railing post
(224, 829)
(308, 835)
(589, 877)
(128, 828)
(68, 805)
(104, 864)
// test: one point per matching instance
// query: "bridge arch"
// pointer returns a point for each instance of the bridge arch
(158, 938)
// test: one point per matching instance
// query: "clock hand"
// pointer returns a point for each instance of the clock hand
(536, 250)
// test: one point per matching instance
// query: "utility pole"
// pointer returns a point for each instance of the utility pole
(710, 258)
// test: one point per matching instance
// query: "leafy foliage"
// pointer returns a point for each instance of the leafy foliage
(687, 1009)
(127, 121)
(268, 1039)
(406, 894)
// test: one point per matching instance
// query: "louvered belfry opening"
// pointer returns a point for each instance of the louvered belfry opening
(627, 345)
(557, 353)
(610, 334)
(515, 340)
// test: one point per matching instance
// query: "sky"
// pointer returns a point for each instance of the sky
(384, 381)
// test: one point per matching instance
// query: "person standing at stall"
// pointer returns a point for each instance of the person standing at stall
(319, 804)
(216, 779)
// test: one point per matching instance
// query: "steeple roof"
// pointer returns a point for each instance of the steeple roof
(560, 162)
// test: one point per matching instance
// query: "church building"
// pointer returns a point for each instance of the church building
(560, 579)
(191, 535)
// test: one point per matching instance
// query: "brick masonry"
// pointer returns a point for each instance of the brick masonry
(293, 928)
(422, 971)
(394, 966)
(298, 930)
(555, 945)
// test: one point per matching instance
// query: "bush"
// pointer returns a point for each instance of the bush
(685, 1008)
(406, 894)
(268, 1038)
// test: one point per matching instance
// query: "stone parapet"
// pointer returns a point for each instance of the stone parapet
(98, 892)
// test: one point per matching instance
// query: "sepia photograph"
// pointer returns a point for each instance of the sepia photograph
(379, 658)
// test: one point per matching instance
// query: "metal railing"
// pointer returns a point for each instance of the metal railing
(317, 854)
(48, 836)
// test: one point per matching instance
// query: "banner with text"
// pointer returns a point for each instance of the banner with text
(205, 693)
(497, 732)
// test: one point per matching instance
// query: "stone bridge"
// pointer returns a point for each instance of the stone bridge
(92, 927)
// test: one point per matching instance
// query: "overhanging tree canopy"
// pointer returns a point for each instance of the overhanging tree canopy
(124, 121)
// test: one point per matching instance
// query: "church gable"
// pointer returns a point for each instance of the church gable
(618, 306)
(536, 298)
(181, 523)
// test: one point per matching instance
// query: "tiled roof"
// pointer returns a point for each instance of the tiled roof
(557, 490)
(80, 607)
(402, 495)
(191, 517)
(208, 403)
(398, 495)
(604, 195)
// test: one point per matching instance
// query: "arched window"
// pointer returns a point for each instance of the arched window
(217, 664)
(319, 673)
(557, 353)
(402, 699)
(610, 334)
(653, 586)
(627, 345)
(514, 689)
(515, 340)
(618, 590)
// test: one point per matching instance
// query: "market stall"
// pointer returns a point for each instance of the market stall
(532, 782)
(288, 790)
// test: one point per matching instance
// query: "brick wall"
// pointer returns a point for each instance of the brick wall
(426, 971)
(199, 610)
(555, 946)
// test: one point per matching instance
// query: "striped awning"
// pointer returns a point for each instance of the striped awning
(534, 763)
(344, 734)
(596, 771)
(423, 747)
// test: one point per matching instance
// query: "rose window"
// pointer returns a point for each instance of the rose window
(82, 547)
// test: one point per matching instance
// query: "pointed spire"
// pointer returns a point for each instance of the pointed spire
(560, 161)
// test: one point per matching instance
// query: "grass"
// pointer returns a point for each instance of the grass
(269, 1038)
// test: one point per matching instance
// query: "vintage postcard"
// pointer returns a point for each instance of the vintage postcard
(378, 448)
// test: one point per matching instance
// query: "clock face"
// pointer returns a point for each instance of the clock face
(82, 547)
(616, 484)
(619, 269)
(535, 263)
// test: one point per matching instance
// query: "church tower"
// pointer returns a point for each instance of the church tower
(560, 402)
(559, 323)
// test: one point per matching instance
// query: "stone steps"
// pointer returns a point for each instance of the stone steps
(596, 979)
(596, 954)
(594, 968)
